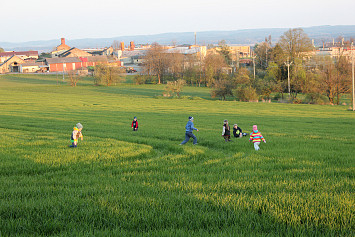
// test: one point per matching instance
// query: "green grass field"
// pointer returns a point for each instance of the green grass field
(123, 183)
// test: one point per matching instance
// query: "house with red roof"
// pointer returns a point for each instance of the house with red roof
(24, 55)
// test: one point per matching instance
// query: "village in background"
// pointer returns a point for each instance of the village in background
(65, 58)
(292, 69)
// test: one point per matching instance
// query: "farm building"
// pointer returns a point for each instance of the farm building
(60, 48)
(12, 64)
(25, 55)
(33, 67)
(63, 64)
(74, 52)
(100, 51)
(75, 63)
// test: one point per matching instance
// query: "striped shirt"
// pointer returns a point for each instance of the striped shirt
(256, 136)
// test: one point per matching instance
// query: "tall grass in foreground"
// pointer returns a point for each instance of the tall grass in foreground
(119, 182)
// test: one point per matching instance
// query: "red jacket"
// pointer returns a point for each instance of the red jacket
(135, 123)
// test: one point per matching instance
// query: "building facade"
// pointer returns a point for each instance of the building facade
(12, 64)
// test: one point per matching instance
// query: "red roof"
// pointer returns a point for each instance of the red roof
(27, 53)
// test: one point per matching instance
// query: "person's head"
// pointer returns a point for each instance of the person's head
(79, 126)
(255, 128)
(135, 118)
(191, 118)
(235, 126)
(225, 121)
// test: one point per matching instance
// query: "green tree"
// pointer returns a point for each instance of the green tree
(245, 86)
(1, 50)
(298, 78)
(222, 88)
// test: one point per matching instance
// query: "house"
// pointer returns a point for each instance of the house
(33, 67)
(25, 55)
(75, 63)
(95, 60)
(12, 64)
(131, 57)
(63, 64)
(235, 51)
(74, 52)
(243, 51)
(60, 48)
(199, 51)
(100, 51)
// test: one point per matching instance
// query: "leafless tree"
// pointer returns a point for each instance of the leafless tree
(295, 41)
(74, 77)
(174, 87)
(108, 75)
(156, 61)
(213, 65)
(115, 45)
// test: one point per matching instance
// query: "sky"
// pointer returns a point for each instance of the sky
(31, 20)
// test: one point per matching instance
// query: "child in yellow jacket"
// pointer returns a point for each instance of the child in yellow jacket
(76, 134)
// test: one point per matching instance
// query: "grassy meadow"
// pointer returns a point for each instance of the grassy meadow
(124, 183)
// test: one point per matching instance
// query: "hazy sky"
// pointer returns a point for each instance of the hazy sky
(27, 20)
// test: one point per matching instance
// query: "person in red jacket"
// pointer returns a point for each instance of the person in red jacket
(256, 137)
(135, 124)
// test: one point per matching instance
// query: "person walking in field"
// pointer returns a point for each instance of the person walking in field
(135, 124)
(237, 131)
(226, 132)
(189, 131)
(76, 134)
(256, 138)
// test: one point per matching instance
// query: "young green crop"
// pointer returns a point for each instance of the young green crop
(119, 182)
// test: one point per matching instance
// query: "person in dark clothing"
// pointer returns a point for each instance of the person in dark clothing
(135, 124)
(226, 132)
(237, 131)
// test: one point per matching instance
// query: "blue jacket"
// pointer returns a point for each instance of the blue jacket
(190, 126)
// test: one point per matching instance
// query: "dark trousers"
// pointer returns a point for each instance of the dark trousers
(188, 135)
(227, 138)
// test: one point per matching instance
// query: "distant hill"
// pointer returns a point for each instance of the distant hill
(245, 37)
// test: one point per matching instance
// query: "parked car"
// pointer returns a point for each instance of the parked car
(130, 70)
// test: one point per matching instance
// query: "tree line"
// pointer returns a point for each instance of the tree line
(282, 71)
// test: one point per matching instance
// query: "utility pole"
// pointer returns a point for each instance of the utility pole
(254, 64)
(237, 59)
(352, 62)
(63, 72)
(288, 64)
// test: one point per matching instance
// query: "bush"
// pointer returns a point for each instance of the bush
(297, 101)
(107, 75)
(246, 94)
(222, 88)
(174, 88)
(140, 79)
(277, 96)
(316, 99)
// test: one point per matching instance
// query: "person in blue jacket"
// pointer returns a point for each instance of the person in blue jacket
(188, 132)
